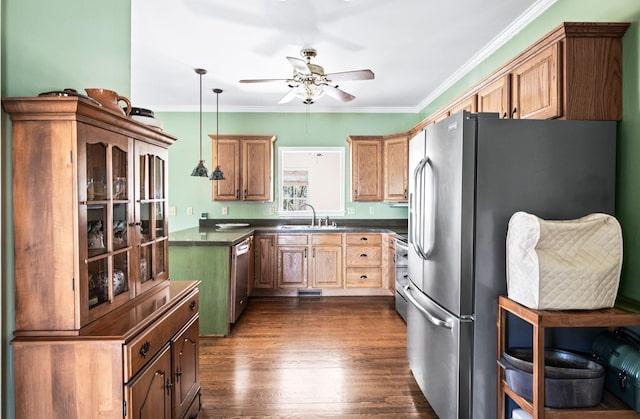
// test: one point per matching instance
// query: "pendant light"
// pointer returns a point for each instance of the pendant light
(217, 174)
(200, 170)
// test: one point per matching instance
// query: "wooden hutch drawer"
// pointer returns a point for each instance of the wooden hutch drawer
(364, 256)
(364, 277)
(143, 347)
(363, 239)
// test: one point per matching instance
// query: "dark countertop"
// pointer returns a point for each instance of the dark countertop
(209, 235)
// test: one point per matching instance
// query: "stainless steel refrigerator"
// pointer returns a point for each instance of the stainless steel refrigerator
(468, 175)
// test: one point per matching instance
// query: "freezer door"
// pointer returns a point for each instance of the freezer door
(439, 351)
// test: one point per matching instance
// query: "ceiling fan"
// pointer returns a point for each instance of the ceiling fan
(309, 81)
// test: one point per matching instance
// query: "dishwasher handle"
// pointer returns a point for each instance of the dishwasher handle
(242, 247)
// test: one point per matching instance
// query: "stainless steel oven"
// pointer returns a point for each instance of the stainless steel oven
(402, 277)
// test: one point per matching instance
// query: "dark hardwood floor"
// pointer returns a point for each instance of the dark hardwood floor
(311, 357)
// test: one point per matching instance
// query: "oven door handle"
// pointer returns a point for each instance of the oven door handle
(433, 319)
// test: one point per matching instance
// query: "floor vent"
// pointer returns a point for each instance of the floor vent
(309, 293)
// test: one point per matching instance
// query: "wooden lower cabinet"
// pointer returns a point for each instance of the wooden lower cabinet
(364, 260)
(336, 263)
(326, 267)
(264, 262)
(139, 361)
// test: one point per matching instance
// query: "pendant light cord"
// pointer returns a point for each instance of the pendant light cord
(201, 115)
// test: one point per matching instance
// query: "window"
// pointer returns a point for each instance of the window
(311, 175)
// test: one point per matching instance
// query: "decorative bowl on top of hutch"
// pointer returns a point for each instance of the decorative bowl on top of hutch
(100, 331)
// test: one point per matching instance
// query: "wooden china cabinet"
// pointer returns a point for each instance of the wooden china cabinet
(100, 331)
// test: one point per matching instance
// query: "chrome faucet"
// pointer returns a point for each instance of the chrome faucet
(313, 220)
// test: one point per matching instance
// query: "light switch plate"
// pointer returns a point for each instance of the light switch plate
(172, 211)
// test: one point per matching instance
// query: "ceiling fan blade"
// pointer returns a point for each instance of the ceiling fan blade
(351, 75)
(261, 80)
(299, 64)
(336, 93)
(288, 97)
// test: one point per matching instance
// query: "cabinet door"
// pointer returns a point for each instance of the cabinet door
(105, 179)
(326, 266)
(536, 86)
(494, 97)
(292, 266)
(396, 168)
(229, 161)
(366, 170)
(468, 104)
(149, 394)
(256, 170)
(186, 369)
(151, 222)
(264, 261)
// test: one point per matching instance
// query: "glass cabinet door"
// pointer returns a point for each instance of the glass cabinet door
(151, 207)
(105, 214)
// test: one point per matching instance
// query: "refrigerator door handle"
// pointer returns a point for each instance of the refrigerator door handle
(417, 231)
(433, 319)
(432, 213)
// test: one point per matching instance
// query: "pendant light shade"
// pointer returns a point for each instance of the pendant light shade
(217, 174)
(200, 170)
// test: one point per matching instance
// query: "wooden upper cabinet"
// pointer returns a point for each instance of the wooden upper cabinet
(573, 72)
(494, 97)
(366, 168)
(536, 86)
(396, 168)
(247, 164)
(468, 104)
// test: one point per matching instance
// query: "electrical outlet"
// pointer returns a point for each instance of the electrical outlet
(351, 210)
(189, 210)
(172, 211)
(272, 211)
(372, 210)
(225, 210)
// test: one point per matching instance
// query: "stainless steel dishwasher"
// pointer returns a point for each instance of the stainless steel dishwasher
(239, 279)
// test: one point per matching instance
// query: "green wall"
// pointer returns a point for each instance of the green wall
(47, 45)
(291, 129)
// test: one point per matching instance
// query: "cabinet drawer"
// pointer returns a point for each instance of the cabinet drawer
(143, 347)
(364, 277)
(330, 239)
(363, 239)
(364, 256)
(293, 239)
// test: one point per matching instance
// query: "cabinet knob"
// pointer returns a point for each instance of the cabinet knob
(363, 277)
(363, 239)
(144, 349)
(363, 255)
(192, 306)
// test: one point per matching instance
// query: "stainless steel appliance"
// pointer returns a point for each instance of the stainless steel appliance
(239, 279)
(401, 260)
(469, 174)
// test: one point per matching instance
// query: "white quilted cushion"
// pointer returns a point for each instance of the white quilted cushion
(564, 265)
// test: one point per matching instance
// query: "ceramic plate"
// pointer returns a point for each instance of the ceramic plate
(224, 226)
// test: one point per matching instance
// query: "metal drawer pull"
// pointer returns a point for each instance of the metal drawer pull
(363, 277)
(144, 349)
(363, 255)
(192, 306)
(363, 239)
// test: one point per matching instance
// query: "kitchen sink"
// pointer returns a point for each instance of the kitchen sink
(305, 227)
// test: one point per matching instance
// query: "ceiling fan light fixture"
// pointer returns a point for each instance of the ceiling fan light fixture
(200, 170)
(217, 173)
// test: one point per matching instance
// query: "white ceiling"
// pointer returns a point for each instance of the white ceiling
(416, 48)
